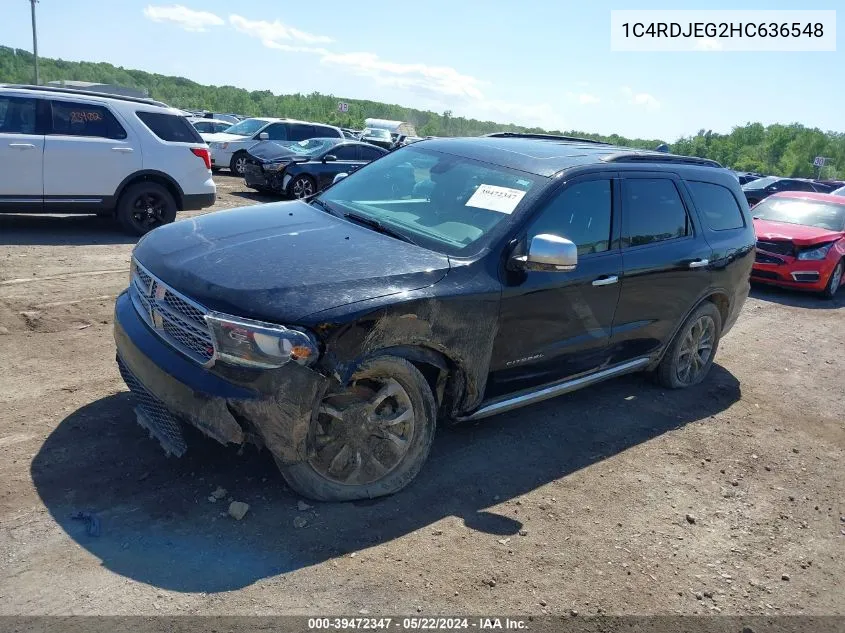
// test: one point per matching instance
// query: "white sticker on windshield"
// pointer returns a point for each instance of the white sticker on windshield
(501, 199)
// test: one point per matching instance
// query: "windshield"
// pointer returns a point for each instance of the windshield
(310, 146)
(442, 201)
(246, 128)
(376, 132)
(801, 211)
(760, 183)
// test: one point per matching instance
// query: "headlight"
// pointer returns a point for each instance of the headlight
(256, 344)
(275, 166)
(815, 253)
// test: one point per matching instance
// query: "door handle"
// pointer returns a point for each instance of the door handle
(699, 263)
(22, 146)
(606, 281)
(124, 150)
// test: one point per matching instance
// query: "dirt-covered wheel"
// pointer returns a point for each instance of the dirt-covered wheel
(835, 280)
(370, 437)
(690, 355)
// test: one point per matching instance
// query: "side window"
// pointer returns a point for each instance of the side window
(798, 185)
(370, 153)
(581, 213)
(202, 126)
(82, 119)
(717, 205)
(17, 115)
(277, 132)
(170, 127)
(321, 131)
(345, 152)
(653, 211)
(300, 132)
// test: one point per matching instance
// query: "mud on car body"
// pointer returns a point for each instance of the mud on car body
(449, 280)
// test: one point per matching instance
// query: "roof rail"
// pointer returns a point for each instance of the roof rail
(658, 157)
(545, 137)
(87, 93)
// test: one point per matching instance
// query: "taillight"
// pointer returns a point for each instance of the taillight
(203, 153)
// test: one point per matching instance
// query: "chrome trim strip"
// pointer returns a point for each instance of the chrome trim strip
(79, 200)
(6, 200)
(554, 390)
(813, 273)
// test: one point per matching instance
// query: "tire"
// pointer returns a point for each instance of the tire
(145, 206)
(374, 463)
(236, 165)
(301, 187)
(835, 280)
(672, 371)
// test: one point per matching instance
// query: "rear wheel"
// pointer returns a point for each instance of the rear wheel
(238, 163)
(690, 355)
(145, 206)
(835, 280)
(371, 437)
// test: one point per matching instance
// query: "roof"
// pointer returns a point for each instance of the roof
(58, 92)
(546, 157)
(810, 195)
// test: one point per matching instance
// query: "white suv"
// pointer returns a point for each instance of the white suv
(71, 151)
(228, 149)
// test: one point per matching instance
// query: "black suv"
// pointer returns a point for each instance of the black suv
(449, 280)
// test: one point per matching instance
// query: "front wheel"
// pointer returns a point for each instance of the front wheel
(690, 355)
(835, 280)
(145, 206)
(302, 187)
(238, 164)
(371, 437)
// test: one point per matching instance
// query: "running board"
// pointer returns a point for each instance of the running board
(554, 390)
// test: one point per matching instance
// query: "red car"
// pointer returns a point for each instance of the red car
(800, 241)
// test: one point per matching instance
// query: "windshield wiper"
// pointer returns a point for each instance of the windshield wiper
(322, 205)
(378, 226)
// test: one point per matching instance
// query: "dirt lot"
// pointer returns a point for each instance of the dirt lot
(621, 499)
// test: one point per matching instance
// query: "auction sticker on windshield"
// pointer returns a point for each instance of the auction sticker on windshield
(493, 198)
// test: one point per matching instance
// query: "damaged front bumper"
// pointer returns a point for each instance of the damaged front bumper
(273, 408)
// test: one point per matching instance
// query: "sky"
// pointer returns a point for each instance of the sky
(537, 62)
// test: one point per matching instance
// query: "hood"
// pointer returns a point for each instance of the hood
(283, 261)
(223, 137)
(800, 234)
(271, 151)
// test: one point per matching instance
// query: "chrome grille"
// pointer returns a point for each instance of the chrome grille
(174, 317)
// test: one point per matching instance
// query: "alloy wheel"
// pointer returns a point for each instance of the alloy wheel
(364, 432)
(148, 210)
(302, 188)
(696, 350)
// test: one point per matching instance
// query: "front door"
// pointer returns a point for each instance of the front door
(21, 155)
(348, 160)
(556, 325)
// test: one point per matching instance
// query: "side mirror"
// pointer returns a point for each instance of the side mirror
(263, 136)
(339, 177)
(329, 158)
(549, 253)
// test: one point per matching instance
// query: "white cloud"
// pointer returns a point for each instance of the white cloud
(642, 99)
(184, 17)
(584, 98)
(272, 33)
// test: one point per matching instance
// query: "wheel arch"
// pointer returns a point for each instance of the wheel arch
(152, 175)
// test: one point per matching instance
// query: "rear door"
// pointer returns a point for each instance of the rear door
(21, 154)
(666, 263)
(87, 154)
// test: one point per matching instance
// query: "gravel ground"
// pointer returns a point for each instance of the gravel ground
(725, 498)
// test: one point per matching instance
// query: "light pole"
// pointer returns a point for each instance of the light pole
(35, 43)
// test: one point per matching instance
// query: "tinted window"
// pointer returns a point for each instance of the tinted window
(326, 132)
(17, 115)
(581, 213)
(798, 185)
(346, 152)
(717, 206)
(82, 119)
(300, 132)
(170, 127)
(277, 132)
(204, 126)
(370, 153)
(653, 211)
